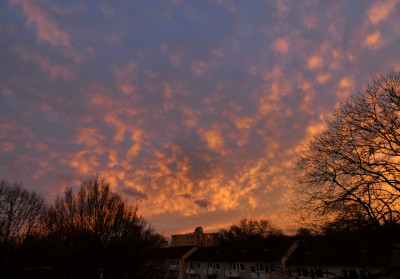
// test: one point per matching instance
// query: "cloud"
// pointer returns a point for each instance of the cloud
(200, 68)
(54, 71)
(281, 45)
(48, 30)
(373, 40)
(315, 62)
(203, 203)
(381, 10)
(322, 78)
(191, 110)
(213, 138)
(186, 196)
(134, 192)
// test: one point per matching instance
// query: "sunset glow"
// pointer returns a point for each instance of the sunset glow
(193, 110)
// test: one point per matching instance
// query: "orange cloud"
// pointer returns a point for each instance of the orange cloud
(374, 40)
(281, 45)
(213, 138)
(322, 78)
(316, 128)
(346, 82)
(242, 123)
(89, 136)
(315, 62)
(381, 10)
(119, 125)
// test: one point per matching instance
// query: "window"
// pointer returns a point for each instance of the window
(363, 274)
(213, 266)
(233, 267)
(175, 262)
(260, 267)
(194, 265)
(271, 268)
(241, 267)
(302, 272)
(350, 273)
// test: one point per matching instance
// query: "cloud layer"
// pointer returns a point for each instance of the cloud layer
(192, 110)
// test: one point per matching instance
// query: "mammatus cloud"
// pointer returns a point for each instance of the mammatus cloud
(193, 111)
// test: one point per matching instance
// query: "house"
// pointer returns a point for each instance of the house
(251, 259)
(198, 237)
(173, 260)
(344, 256)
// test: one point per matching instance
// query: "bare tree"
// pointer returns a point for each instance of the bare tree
(351, 171)
(20, 211)
(250, 229)
(97, 235)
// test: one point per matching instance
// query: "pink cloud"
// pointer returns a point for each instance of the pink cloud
(200, 68)
(47, 29)
(54, 71)
(381, 10)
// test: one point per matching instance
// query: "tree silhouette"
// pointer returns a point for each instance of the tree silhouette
(351, 171)
(20, 211)
(249, 229)
(97, 235)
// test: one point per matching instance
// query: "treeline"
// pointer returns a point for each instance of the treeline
(89, 234)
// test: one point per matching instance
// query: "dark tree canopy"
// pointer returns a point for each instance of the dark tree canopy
(250, 229)
(20, 211)
(95, 233)
(351, 171)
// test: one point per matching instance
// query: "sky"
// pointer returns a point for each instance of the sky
(193, 110)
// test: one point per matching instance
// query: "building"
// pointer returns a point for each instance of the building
(198, 238)
(264, 259)
(348, 257)
(173, 260)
